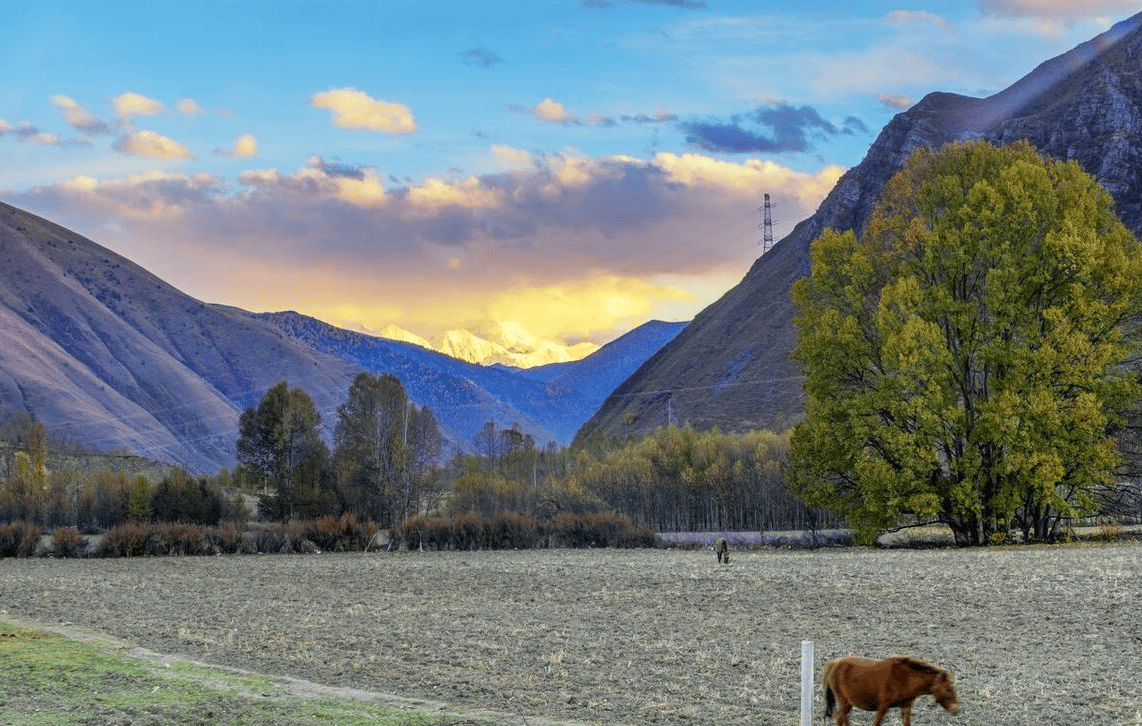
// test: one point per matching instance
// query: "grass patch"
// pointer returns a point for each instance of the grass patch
(50, 680)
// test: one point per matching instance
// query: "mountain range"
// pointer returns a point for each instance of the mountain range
(109, 356)
(731, 367)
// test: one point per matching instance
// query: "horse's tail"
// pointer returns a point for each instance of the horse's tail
(830, 698)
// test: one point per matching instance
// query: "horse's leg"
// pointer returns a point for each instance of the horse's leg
(906, 713)
(843, 714)
(880, 715)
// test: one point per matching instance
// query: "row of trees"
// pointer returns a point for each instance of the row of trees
(382, 463)
(106, 499)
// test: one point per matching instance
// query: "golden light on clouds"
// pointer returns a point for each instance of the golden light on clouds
(131, 104)
(552, 112)
(748, 176)
(436, 193)
(354, 109)
(245, 147)
(151, 145)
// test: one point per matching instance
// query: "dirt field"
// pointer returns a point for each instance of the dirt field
(1034, 635)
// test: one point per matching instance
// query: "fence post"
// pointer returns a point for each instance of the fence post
(806, 682)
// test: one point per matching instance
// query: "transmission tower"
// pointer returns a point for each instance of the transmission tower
(766, 226)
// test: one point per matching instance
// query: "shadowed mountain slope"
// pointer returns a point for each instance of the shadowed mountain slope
(108, 355)
(731, 368)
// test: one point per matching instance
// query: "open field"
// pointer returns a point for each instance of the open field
(1033, 634)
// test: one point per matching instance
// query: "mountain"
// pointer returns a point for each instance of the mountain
(109, 356)
(731, 366)
(550, 402)
(510, 345)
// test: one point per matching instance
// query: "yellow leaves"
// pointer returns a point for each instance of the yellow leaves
(962, 353)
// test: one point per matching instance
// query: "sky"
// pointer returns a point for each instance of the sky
(574, 167)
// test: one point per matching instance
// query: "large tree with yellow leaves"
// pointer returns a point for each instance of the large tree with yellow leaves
(962, 358)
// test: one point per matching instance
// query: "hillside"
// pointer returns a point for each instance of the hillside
(731, 366)
(109, 356)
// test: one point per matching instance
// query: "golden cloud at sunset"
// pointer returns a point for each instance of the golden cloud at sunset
(152, 145)
(354, 109)
(552, 112)
(436, 193)
(131, 104)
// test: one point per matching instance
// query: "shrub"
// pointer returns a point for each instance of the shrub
(512, 530)
(67, 542)
(19, 539)
(228, 538)
(468, 531)
(127, 540)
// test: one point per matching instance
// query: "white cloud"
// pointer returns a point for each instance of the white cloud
(131, 104)
(900, 103)
(553, 112)
(354, 109)
(151, 145)
(245, 147)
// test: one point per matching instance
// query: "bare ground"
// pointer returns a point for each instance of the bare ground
(1033, 634)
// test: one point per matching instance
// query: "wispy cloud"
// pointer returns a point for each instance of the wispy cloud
(1059, 10)
(481, 58)
(354, 109)
(918, 16)
(80, 118)
(188, 107)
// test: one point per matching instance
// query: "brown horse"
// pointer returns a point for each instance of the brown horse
(722, 548)
(878, 685)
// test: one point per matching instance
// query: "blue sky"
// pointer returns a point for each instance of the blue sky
(576, 167)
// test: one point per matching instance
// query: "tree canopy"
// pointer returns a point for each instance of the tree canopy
(962, 358)
(280, 445)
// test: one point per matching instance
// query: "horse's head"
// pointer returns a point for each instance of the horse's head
(944, 691)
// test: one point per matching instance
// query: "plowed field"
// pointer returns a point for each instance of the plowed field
(1034, 635)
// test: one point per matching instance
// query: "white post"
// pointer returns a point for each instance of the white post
(806, 682)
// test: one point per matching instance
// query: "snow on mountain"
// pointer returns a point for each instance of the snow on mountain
(510, 345)
(392, 332)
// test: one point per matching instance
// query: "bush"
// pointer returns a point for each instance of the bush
(67, 542)
(228, 538)
(19, 539)
(127, 540)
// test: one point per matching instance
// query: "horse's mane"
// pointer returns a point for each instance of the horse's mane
(918, 665)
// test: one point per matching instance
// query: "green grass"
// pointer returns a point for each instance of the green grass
(51, 680)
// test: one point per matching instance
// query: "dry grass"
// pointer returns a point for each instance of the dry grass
(1034, 635)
